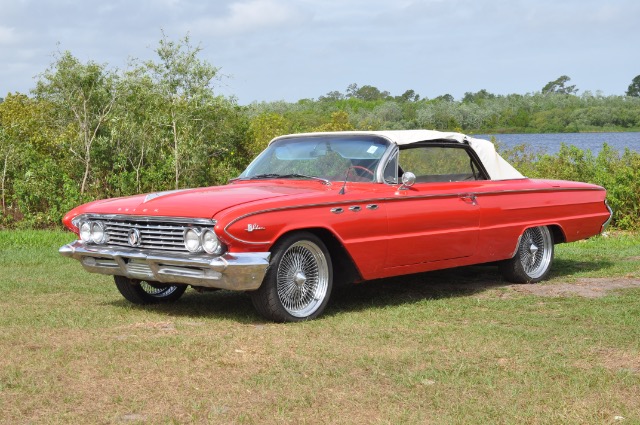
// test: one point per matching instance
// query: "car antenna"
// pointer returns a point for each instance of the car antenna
(346, 177)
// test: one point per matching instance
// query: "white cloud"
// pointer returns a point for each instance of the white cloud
(291, 49)
(7, 35)
(250, 16)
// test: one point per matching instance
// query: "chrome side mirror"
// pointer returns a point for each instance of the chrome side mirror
(408, 180)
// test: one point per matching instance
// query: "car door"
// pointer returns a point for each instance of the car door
(438, 217)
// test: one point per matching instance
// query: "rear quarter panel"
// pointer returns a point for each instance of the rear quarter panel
(510, 207)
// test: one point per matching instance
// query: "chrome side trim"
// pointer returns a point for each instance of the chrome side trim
(393, 199)
(551, 189)
(233, 271)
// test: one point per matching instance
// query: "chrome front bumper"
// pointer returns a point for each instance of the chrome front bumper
(235, 271)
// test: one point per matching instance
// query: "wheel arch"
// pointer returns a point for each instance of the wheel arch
(345, 270)
(557, 233)
(533, 257)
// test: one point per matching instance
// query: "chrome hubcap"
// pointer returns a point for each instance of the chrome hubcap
(299, 278)
(533, 250)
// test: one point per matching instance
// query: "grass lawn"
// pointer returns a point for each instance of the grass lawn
(451, 347)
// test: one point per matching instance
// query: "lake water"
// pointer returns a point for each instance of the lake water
(550, 142)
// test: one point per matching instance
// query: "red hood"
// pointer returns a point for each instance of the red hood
(192, 203)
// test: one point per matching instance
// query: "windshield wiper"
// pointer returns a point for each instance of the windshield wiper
(263, 176)
(287, 176)
(304, 176)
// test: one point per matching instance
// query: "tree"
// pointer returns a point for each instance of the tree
(352, 90)
(409, 96)
(365, 92)
(7, 150)
(84, 95)
(558, 86)
(444, 98)
(634, 87)
(183, 94)
(35, 170)
(332, 96)
(477, 97)
(265, 127)
(136, 145)
(339, 122)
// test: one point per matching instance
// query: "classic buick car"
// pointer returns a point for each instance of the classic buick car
(318, 208)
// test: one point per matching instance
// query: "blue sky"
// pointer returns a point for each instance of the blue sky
(289, 50)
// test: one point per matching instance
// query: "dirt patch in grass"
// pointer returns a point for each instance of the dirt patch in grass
(613, 359)
(156, 326)
(619, 360)
(585, 287)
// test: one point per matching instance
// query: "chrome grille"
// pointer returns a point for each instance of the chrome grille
(156, 233)
(152, 236)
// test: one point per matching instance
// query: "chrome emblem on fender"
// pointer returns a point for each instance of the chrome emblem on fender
(135, 239)
(252, 227)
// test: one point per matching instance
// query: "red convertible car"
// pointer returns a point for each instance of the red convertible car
(318, 208)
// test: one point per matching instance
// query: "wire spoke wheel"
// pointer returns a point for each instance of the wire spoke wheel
(298, 282)
(533, 257)
(535, 251)
(143, 292)
(157, 290)
(302, 279)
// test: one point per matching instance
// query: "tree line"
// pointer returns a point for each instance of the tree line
(87, 131)
(557, 108)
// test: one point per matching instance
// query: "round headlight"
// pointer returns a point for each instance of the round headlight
(192, 240)
(85, 231)
(210, 242)
(97, 232)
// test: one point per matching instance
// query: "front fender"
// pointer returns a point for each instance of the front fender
(362, 231)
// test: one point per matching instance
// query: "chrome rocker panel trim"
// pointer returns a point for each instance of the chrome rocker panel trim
(234, 271)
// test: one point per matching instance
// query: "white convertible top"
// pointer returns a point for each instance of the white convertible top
(496, 166)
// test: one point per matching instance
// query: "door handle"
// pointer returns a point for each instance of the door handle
(469, 198)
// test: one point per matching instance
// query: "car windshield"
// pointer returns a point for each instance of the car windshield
(333, 158)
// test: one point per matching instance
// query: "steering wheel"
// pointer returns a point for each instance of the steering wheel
(360, 167)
